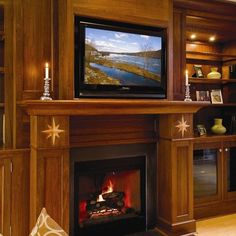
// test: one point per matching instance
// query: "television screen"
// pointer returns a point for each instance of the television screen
(113, 59)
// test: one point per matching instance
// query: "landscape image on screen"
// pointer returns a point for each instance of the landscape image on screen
(120, 58)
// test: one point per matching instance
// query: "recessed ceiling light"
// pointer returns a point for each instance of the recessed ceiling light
(212, 38)
(193, 36)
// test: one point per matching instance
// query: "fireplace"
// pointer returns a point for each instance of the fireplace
(111, 190)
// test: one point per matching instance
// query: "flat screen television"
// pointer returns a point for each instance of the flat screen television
(119, 60)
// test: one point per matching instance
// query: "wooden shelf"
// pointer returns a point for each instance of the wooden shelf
(211, 137)
(212, 54)
(194, 80)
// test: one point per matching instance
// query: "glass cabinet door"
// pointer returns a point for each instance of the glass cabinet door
(231, 169)
(206, 173)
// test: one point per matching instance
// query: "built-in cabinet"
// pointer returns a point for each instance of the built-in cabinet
(14, 192)
(214, 163)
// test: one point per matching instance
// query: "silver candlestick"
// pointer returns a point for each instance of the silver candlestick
(187, 93)
(46, 93)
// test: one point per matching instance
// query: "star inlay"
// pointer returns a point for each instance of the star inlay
(182, 126)
(53, 131)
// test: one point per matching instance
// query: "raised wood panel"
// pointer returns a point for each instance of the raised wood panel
(8, 72)
(37, 27)
(176, 187)
(178, 49)
(5, 195)
(183, 181)
(97, 130)
(20, 193)
(125, 10)
(49, 185)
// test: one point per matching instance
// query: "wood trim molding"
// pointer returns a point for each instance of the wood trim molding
(109, 107)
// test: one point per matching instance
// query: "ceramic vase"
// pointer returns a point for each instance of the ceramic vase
(218, 128)
(214, 74)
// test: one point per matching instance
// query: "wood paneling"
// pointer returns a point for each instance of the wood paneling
(179, 126)
(14, 187)
(100, 130)
(5, 196)
(49, 185)
(125, 10)
(175, 184)
(178, 49)
(20, 193)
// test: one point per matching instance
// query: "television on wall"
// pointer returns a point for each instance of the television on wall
(119, 60)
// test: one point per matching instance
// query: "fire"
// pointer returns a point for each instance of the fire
(109, 189)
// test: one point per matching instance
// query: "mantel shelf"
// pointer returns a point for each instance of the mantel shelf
(109, 107)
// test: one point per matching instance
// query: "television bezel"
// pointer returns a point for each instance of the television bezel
(95, 90)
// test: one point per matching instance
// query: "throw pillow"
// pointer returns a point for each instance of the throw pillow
(45, 225)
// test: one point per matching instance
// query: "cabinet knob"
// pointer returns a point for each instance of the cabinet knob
(220, 150)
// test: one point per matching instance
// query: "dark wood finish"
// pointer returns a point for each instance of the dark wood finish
(108, 130)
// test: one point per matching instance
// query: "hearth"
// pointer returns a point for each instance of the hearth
(110, 192)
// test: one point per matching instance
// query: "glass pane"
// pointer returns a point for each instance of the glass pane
(231, 161)
(205, 172)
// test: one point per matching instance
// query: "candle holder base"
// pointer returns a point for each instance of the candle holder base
(46, 94)
(45, 98)
(187, 93)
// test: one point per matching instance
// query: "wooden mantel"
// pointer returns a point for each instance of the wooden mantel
(54, 131)
(109, 107)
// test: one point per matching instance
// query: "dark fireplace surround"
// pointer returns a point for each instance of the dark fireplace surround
(93, 163)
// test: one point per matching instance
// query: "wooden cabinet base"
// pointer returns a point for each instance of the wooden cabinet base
(215, 209)
(183, 228)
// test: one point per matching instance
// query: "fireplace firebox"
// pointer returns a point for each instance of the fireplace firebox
(113, 189)
(110, 195)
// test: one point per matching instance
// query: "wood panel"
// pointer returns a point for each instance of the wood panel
(175, 184)
(5, 195)
(49, 131)
(20, 193)
(8, 72)
(125, 10)
(178, 49)
(37, 42)
(179, 126)
(97, 130)
(49, 185)
(182, 180)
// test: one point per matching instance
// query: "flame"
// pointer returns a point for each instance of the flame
(109, 189)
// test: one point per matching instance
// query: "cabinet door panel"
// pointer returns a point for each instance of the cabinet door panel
(207, 175)
(5, 186)
(229, 170)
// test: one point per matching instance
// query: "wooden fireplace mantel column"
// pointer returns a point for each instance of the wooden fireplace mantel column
(49, 130)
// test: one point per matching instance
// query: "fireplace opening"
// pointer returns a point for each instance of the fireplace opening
(110, 196)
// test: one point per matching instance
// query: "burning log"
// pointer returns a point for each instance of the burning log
(108, 203)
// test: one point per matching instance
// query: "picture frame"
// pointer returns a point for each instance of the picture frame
(203, 96)
(216, 96)
(198, 71)
(201, 130)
